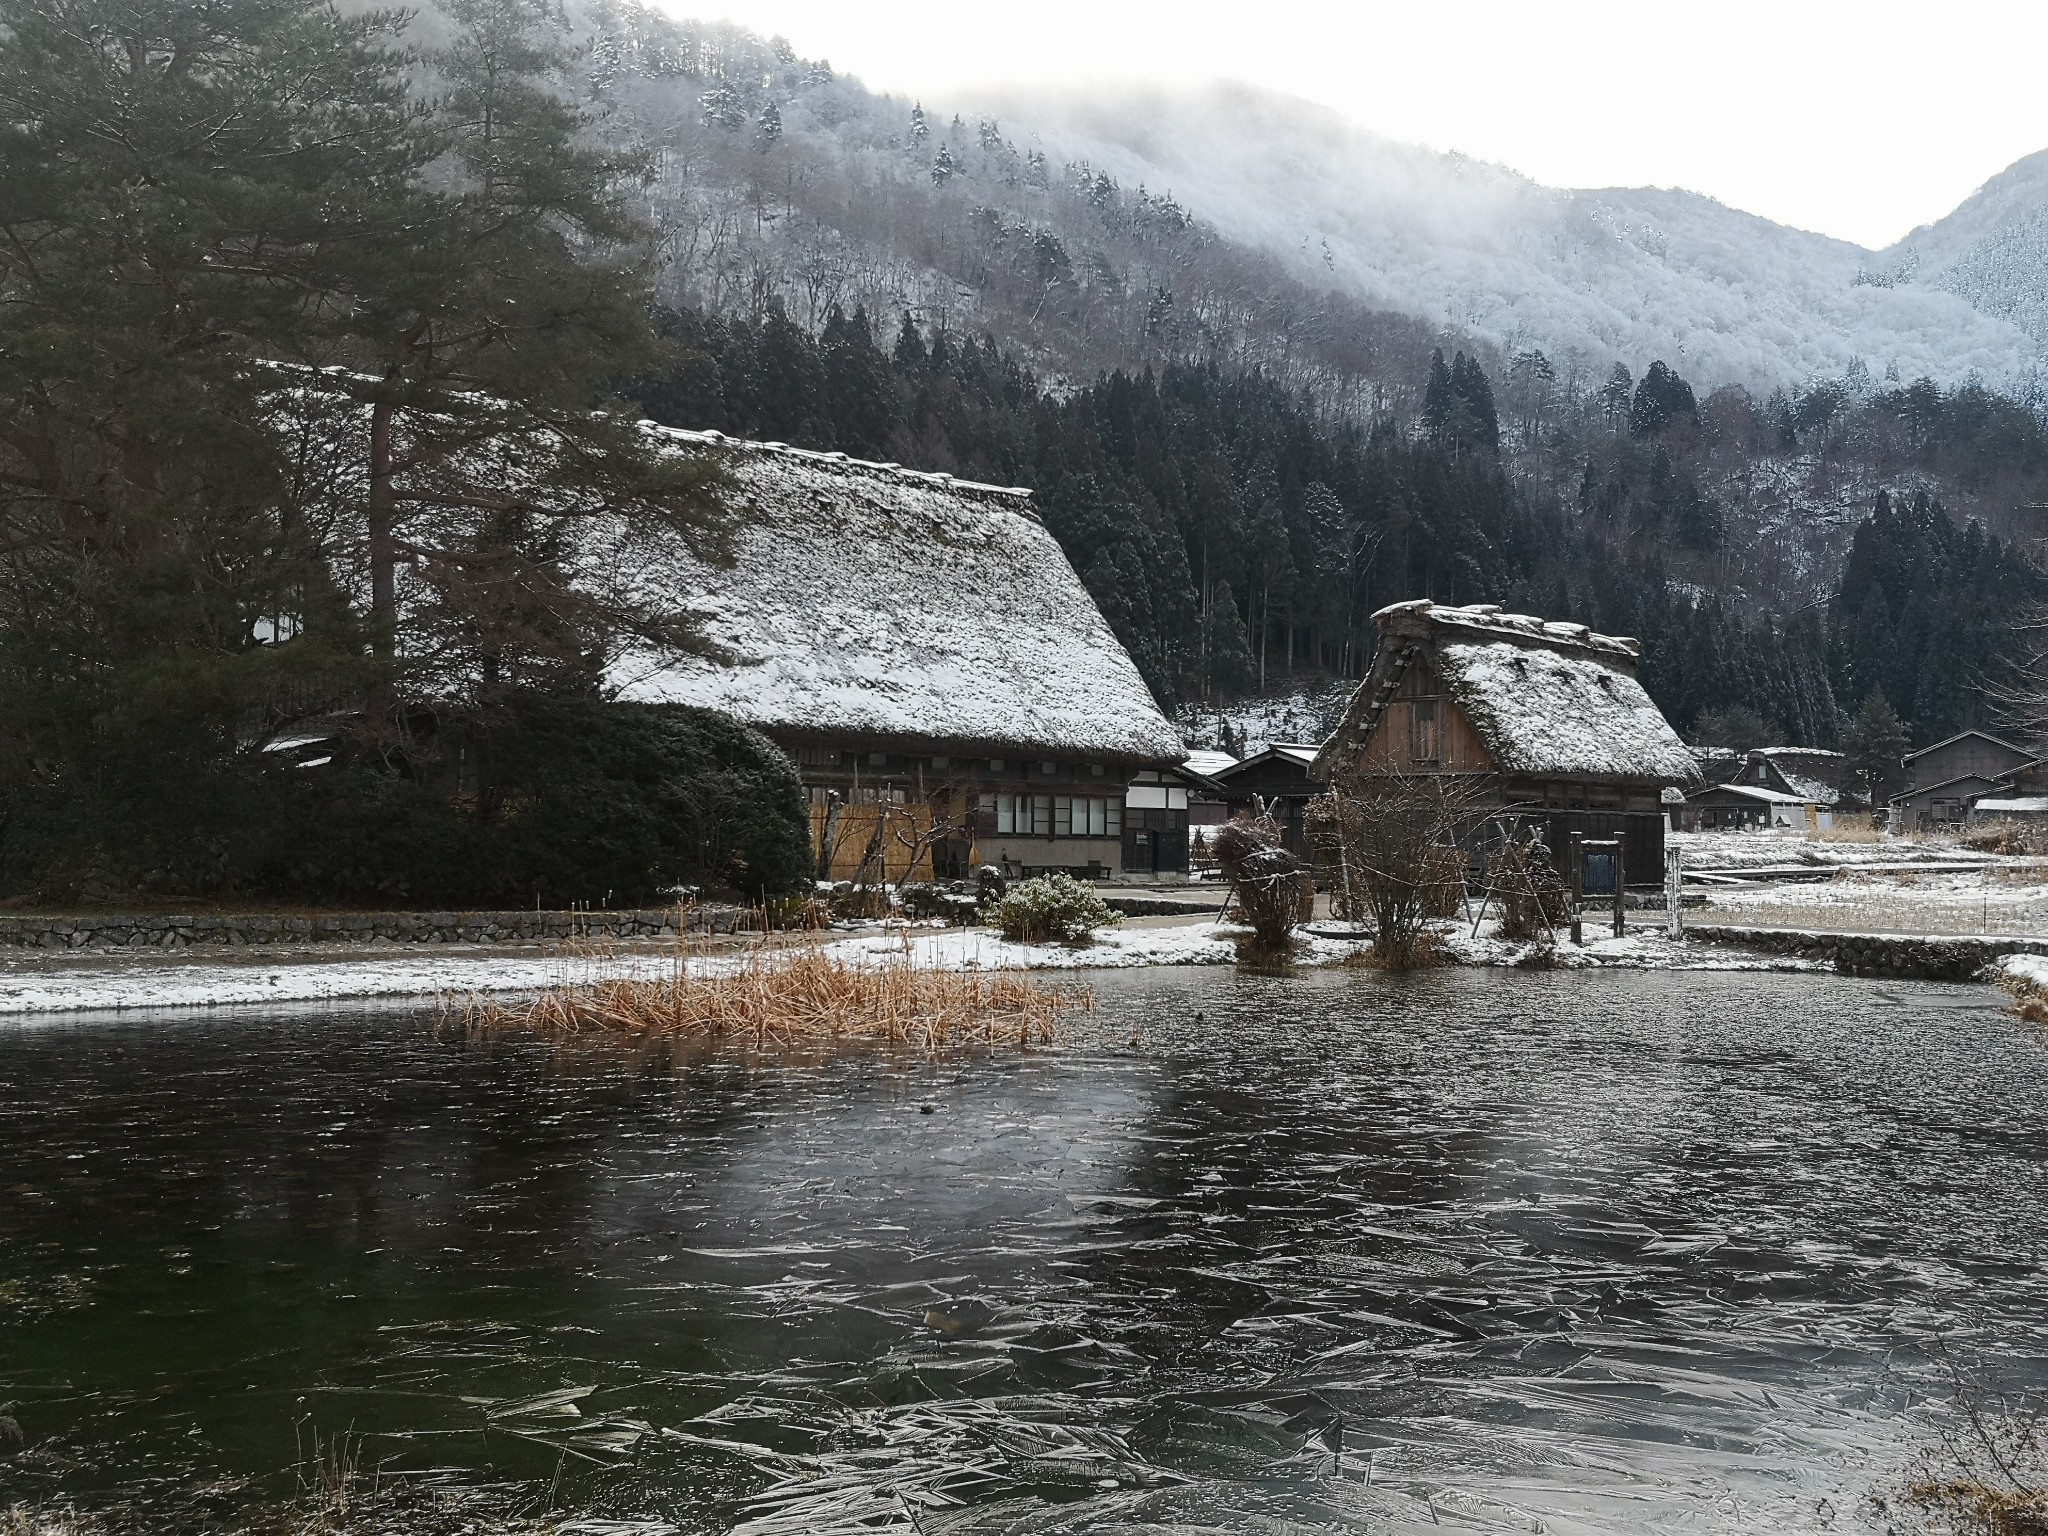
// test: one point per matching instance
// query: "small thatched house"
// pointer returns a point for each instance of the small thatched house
(925, 652)
(1547, 719)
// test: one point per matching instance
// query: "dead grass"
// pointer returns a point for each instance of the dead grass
(26, 1520)
(786, 998)
(2029, 997)
(1842, 834)
(1967, 1507)
(1426, 950)
(1990, 1477)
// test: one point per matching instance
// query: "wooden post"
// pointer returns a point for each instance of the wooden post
(1620, 880)
(1578, 863)
(1674, 920)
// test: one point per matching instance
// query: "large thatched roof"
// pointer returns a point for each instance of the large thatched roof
(1545, 698)
(908, 608)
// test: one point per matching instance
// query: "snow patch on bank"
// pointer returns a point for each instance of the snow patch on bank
(157, 984)
(2025, 973)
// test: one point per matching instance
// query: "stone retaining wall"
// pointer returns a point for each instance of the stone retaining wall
(1928, 958)
(1160, 906)
(180, 930)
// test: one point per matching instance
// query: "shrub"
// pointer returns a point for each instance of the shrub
(557, 800)
(1273, 890)
(1392, 844)
(1051, 907)
(1534, 899)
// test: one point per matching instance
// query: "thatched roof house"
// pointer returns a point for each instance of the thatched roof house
(1548, 716)
(913, 611)
(918, 640)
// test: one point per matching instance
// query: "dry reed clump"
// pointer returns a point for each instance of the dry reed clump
(1844, 833)
(25, 1520)
(1969, 1507)
(2006, 837)
(2029, 997)
(1990, 1477)
(1426, 950)
(798, 997)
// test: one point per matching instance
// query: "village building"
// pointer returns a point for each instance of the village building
(1547, 720)
(1794, 788)
(921, 647)
(1946, 780)
(1281, 778)
(1739, 807)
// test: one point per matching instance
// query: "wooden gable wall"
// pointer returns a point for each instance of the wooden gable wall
(1418, 718)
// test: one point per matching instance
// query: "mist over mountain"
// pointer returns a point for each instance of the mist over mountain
(1126, 225)
(1723, 295)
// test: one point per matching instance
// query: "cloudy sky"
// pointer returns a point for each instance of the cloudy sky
(1857, 120)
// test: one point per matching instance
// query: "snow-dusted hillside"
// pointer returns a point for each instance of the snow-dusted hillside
(1722, 295)
(1993, 250)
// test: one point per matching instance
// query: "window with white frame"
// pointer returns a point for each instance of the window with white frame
(1087, 816)
(1056, 815)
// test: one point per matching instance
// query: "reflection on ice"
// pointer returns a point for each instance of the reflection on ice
(1575, 1253)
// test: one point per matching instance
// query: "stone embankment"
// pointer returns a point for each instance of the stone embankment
(181, 930)
(1923, 957)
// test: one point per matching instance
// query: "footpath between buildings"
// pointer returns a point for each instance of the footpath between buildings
(1922, 957)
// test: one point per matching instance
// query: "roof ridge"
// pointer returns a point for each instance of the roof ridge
(1489, 619)
(834, 459)
(1974, 730)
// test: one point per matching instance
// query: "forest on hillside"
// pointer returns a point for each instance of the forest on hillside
(1237, 536)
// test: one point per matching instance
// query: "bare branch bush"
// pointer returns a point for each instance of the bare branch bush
(1524, 878)
(1390, 845)
(1273, 887)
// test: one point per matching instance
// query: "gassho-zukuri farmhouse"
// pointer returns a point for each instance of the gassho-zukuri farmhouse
(927, 656)
(1546, 719)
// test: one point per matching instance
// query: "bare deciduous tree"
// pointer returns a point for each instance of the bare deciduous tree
(1390, 847)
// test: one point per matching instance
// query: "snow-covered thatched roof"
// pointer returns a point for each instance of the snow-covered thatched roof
(905, 608)
(1545, 698)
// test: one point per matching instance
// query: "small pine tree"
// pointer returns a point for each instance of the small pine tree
(723, 108)
(910, 348)
(768, 128)
(1875, 744)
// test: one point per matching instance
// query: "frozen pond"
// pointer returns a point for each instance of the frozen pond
(1609, 1251)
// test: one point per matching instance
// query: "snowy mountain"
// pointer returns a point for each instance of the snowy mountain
(1992, 251)
(1723, 295)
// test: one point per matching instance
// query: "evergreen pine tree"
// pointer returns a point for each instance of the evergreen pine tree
(1438, 402)
(1875, 745)
(910, 349)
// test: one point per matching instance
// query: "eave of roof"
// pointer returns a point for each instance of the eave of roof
(1750, 792)
(1996, 741)
(1300, 755)
(1961, 778)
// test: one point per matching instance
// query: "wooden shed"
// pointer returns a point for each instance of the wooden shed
(1283, 779)
(1548, 719)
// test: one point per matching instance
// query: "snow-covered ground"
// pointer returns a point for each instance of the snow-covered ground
(118, 984)
(1304, 714)
(2026, 974)
(1957, 902)
(1765, 850)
